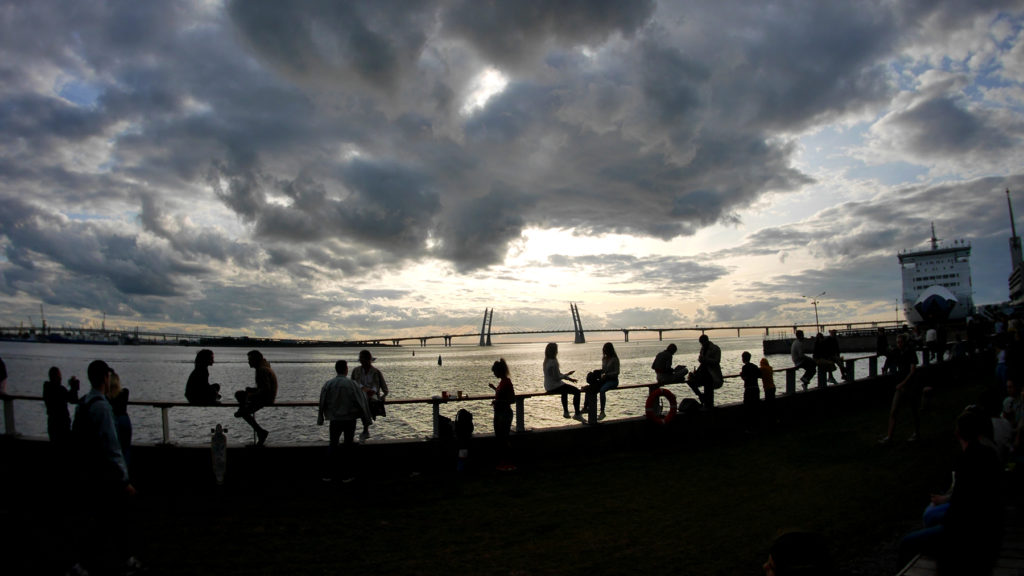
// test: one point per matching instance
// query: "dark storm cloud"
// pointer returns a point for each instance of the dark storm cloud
(513, 32)
(339, 138)
(943, 127)
(372, 42)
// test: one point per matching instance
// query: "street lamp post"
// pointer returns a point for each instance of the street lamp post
(815, 301)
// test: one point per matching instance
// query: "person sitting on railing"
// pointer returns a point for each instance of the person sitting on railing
(554, 382)
(662, 365)
(801, 361)
(57, 397)
(607, 379)
(253, 398)
(198, 390)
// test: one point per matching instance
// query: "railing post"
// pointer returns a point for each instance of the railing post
(164, 423)
(850, 364)
(520, 417)
(873, 366)
(9, 427)
(435, 405)
(791, 381)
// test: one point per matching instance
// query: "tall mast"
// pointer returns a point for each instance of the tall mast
(935, 241)
(1015, 249)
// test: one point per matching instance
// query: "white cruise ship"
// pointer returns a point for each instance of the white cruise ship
(937, 282)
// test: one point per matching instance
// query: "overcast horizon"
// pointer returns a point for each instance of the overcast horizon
(349, 170)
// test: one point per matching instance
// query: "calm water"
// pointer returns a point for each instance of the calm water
(159, 373)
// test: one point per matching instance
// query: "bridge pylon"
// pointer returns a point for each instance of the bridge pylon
(577, 324)
(485, 328)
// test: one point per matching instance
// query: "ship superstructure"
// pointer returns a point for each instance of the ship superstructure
(937, 282)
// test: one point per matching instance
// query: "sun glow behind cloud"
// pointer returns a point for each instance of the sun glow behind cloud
(485, 86)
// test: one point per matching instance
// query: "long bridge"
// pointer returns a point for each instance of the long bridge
(484, 336)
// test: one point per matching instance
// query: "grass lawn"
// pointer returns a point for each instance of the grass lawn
(671, 510)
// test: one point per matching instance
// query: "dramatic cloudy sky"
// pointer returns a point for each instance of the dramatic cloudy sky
(381, 168)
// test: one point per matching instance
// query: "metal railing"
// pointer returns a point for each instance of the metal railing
(10, 428)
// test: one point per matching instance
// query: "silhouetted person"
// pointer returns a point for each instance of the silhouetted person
(103, 476)
(3, 377)
(751, 376)
(376, 389)
(554, 381)
(118, 398)
(504, 398)
(57, 397)
(609, 374)
(342, 402)
(253, 398)
(708, 373)
(908, 389)
(882, 350)
(768, 382)
(965, 526)
(198, 390)
(801, 361)
(662, 365)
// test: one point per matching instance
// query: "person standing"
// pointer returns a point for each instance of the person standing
(801, 361)
(198, 389)
(768, 382)
(57, 397)
(662, 365)
(908, 390)
(554, 382)
(103, 476)
(751, 376)
(254, 398)
(708, 373)
(504, 397)
(342, 402)
(376, 389)
(118, 398)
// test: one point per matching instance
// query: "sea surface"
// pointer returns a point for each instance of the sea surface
(159, 373)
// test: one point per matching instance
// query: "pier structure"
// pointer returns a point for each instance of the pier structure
(577, 324)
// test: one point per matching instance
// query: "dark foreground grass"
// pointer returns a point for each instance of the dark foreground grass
(710, 509)
(693, 510)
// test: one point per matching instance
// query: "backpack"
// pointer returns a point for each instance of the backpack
(463, 424)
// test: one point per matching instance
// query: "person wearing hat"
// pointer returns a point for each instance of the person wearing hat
(372, 381)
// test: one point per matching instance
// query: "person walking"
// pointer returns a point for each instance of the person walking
(263, 394)
(342, 402)
(554, 382)
(376, 389)
(908, 389)
(103, 475)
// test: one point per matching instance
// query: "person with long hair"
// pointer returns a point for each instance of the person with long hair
(198, 390)
(554, 382)
(118, 398)
(609, 373)
(504, 397)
